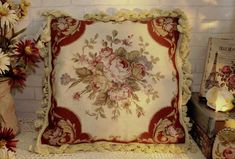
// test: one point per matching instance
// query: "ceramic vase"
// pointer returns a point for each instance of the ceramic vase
(7, 108)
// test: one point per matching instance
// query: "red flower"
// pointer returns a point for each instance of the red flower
(7, 138)
(76, 96)
(18, 78)
(105, 52)
(226, 70)
(231, 81)
(229, 153)
(28, 51)
(126, 42)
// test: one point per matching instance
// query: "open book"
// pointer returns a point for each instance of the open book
(219, 65)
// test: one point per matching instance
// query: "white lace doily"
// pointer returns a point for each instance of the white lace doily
(27, 136)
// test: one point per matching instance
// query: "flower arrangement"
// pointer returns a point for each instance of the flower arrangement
(114, 75)
(18, 56)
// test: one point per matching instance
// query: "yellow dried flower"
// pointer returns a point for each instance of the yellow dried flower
(24, 5)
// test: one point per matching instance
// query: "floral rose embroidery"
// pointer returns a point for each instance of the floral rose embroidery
(231, 81)
(77, 96)
(100, 83)
(167, 132)
(105, 52)
(120, 94)
(114, 75)
(229, 153)
(105, 56)
(118, 70)
(138, 71)
(227, 76)
(226, 70)
(60, 134)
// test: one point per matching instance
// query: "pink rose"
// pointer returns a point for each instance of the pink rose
(226, 70)
(231, 81)
(95, 61)
(118, 70)
(120, 94)
(105, 56)
(229, 153)
(105, 52)
(138, 70)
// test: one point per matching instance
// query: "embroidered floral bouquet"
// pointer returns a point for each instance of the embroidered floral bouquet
(18, 56)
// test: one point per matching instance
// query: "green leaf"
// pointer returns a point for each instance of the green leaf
(101, 99)
(96, 36)
(135, 97)
(146, 44)
(92, 95)
(132, 55)
(99, 67)
(75, 83)
(83, 72)
(134, 85)
(109, 38)
(115, 33)
(117, 41)
(120, 51)
(86, 42)
(91, 55)
(103, 115)
(87, 79)
(147, 100)
(90, 47)
(110, 103)
(18, 33)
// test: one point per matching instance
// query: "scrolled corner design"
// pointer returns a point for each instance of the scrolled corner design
(183, 27)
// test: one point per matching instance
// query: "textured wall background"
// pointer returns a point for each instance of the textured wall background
(208, 18)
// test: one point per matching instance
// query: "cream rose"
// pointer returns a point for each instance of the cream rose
(105, 56)
(118, 70)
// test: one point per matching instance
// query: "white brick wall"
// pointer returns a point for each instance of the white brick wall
(209, 18)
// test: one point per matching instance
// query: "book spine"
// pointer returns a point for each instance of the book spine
(206, 123)
(211, 128)
(203, 141)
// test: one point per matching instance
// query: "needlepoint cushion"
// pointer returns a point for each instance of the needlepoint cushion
(113, 83)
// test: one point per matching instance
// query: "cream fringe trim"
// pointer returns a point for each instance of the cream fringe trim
(185, 79)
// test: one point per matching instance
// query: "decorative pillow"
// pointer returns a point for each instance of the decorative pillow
(224, 144)
(116, 82)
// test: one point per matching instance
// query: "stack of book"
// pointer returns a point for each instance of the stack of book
(206, 123)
